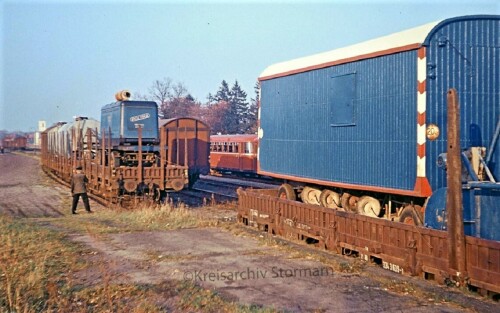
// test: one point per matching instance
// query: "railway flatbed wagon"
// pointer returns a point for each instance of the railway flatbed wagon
(128, 155)
(364, 128)
(405, 249)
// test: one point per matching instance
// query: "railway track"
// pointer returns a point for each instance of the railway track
(246, 182)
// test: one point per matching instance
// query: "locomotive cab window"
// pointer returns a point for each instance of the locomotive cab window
(341, 99)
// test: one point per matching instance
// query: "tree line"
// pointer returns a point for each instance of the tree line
(228, 111)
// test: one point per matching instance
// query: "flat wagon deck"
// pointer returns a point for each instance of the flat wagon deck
(406, 249)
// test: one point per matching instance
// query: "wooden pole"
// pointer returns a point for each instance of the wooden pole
(454, 204)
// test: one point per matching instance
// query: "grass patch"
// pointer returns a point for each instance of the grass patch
(194, 298)
(36, 275)
(142, 218)
(32, 262)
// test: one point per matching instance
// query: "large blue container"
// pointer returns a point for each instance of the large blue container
(124, 117)
(359, 117)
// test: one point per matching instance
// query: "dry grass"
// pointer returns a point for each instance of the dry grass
(36, 266)
(36, 275)
(196, 299)
(141, 218)
(33, 261)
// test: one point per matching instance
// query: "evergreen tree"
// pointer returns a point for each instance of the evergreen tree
(223, 94)
(239, 109)
(253, 111)
(234, 115)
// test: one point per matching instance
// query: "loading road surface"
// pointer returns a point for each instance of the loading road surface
(242, 266)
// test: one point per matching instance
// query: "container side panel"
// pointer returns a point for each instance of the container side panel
(352, 123)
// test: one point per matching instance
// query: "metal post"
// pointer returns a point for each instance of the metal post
(103, 160)
(162, 157)
(87, 159)
(177, 161)
(186, 161)
(139, 165)
(73, 151)
(110, 159)
(454, 207)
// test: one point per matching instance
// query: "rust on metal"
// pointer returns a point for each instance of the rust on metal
(406, 249)
(114, 175)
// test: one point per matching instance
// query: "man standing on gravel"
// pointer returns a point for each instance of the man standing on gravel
(79, 188)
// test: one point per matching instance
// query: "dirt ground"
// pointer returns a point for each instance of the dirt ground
(247, 267)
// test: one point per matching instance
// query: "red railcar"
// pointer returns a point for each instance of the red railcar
(234, 153)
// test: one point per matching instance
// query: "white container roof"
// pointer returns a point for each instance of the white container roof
(397, 42)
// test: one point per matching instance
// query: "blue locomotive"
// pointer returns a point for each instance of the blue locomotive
(363, 128)
(120, 122)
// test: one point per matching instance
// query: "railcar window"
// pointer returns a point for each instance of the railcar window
(248, 147)
(341, 97)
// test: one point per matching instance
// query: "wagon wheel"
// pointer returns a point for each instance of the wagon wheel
(130, 185)
(410, 216)
(310, 195)
(330, 199)
(369, 206)
(286, 192)
(177, 184)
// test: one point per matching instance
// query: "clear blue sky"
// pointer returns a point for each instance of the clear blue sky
(67, 58)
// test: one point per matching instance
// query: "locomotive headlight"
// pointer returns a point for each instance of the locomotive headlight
(441, 161)
(432, 132)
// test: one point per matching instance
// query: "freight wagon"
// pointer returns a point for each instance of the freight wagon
(14, 142)
(187, 143)
(364, 128)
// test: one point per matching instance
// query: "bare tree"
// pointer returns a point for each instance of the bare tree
(161, 92)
